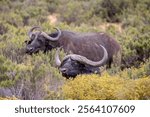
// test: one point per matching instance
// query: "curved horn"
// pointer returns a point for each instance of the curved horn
(31, 30)
(84, 60)
(52, 38)
(57, 59)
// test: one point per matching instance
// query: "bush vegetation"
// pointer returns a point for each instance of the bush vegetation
(106, 87)
(36, 77)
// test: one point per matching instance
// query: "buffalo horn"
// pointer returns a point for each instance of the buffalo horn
(52, 38)
(84, 60)
(31, 30)
(57, 59)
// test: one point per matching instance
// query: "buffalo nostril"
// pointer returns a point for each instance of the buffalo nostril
(63, 70)
(30, 48)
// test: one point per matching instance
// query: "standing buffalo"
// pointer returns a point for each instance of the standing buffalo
(39, 41)
(85, 44)
(74, 64)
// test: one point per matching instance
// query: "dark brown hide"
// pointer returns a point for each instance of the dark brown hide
(87, 44)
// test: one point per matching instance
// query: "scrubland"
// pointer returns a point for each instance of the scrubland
(24, 76)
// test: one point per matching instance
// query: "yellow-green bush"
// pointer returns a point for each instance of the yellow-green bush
(143, 88)
(106, 87)
(132, 73)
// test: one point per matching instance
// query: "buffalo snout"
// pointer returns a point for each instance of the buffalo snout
(29, 49)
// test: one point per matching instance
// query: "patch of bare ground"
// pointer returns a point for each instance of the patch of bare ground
(117, 26)
(53, 18)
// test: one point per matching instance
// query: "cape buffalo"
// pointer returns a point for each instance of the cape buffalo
(85, 44)
(38, 41)
(74, 64)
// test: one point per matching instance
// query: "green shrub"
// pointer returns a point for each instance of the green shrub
(31, 79)
(135, 46)
(36, 76)
(6, 71)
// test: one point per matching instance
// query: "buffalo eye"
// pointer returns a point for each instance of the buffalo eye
(74, 63)
(81, 65)
(33, 36)
(40, 40)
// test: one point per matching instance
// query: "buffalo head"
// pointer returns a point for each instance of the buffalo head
(74, 64)
(39, 40)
